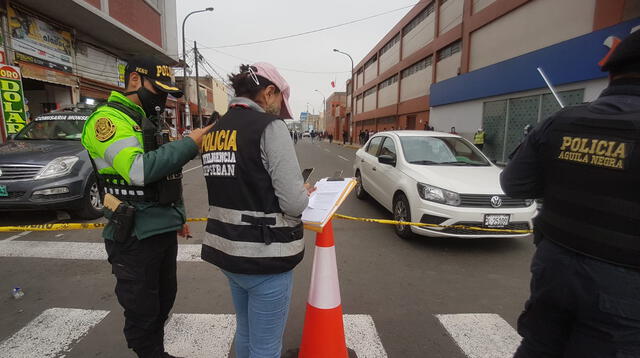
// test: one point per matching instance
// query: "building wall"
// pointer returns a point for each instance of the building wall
(358, 105)
(369, 102)
(450, 15)
(416, 85)
(371, 72)
(481, 4)
(467, 116)
(359, 80)
(95, 3)
(419, 36)
(388, 95)
(220, 97)
(535, 25)
(139, 16)
(390, 57)
(98, 65)
(448, 67)
(170, 28)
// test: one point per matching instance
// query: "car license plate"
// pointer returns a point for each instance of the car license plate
(3, 191)
(496, 221)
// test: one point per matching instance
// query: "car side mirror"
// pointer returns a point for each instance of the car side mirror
(387, 159)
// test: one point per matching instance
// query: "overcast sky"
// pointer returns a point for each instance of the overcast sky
(242, 21)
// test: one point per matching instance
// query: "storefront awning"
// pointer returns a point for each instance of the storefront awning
(44, 74)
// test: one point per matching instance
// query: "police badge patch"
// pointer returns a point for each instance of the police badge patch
(105, 129)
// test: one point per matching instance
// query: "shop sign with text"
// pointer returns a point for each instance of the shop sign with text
(13, 111)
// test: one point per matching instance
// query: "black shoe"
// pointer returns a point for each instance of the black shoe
(167, 355)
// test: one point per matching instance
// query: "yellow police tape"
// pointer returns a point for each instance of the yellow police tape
(394, 222)
(90, 226)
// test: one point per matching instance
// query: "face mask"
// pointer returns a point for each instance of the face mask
(149, 100)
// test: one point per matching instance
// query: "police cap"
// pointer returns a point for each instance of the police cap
(626, 56)
(158, 72)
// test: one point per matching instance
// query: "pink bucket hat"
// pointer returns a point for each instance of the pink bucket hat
(269, 72)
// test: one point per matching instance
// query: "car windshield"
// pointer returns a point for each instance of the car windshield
(52, 130)
(441, 151)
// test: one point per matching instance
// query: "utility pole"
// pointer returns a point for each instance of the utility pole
(197, 56)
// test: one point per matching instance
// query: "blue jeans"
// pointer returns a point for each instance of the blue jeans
(262, 306)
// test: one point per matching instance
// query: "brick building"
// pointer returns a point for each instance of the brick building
(444, 53)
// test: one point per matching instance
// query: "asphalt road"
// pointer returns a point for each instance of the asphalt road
(403, 286)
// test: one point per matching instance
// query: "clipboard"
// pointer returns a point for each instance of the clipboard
(325, 201)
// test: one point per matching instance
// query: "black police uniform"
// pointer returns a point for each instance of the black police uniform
(585, 287)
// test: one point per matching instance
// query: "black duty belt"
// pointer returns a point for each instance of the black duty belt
(117, 186)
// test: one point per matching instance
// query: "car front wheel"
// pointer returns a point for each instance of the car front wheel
(360, 192)
(402, 212)
(91, 207)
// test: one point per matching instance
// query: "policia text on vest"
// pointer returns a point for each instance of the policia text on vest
(219, 158)
(593, 151)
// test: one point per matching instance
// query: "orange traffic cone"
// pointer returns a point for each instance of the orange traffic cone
(323, 334)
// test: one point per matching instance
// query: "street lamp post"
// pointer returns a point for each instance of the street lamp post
(184, 66)
(352, 91)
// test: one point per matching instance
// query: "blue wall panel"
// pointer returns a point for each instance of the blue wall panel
(566, 62)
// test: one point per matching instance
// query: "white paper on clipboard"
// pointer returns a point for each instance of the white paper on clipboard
(324, 202)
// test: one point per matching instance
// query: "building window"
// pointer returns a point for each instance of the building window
(421, 65)
(390, 44)
(419, 18)
(370, 62)
(449, 50)
(393, 79)
(370, 91)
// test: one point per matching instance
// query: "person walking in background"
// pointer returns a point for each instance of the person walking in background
(254, 233)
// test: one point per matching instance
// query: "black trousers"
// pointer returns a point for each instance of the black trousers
(146, 288)
(579, 307)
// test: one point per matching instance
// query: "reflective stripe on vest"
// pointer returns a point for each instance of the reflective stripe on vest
(479, 138)
(253, 249)
(239, 217)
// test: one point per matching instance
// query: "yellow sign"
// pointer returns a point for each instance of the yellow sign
(595, 152)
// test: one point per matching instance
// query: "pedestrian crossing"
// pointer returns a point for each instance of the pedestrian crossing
(55, 331)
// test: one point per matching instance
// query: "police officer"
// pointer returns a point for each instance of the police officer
(256, 197)
(139, 167)
(585, 162)
(479, 137)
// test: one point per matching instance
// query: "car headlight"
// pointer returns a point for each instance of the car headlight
(438, 195)
(58, 167)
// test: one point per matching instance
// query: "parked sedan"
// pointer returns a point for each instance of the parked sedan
(438, 178)
(45, 167)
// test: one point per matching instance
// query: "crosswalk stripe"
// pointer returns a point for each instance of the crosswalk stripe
(77, 250)
(51, 333)
(200, 335)
(481, 335)
(362, 336)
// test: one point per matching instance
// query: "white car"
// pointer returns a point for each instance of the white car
(306, 134)
(438, 178)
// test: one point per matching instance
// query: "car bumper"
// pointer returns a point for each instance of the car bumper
(22, 194)
(520, 219)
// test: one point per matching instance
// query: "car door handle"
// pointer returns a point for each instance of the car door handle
(361, 160)
(374, 169)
